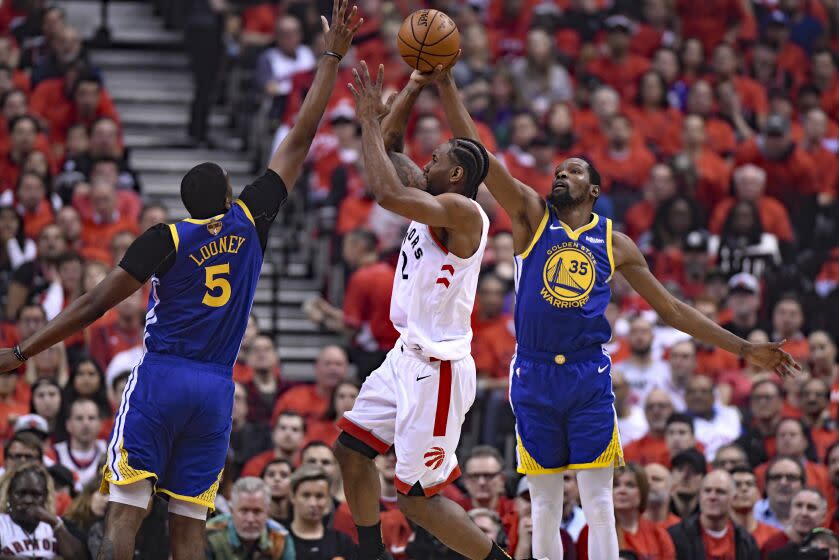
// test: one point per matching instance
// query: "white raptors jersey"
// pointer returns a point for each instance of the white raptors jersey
(434, 292)
(82, 472)
(17, 543)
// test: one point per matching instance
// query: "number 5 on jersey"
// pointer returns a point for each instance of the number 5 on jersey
(214, 282)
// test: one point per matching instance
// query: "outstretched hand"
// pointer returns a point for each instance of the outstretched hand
(770, 356)
(338, 37)
(425, 78)
(8, 361)
(368, 95)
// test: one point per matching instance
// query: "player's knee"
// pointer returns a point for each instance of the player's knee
(599, 511)
(351, 451)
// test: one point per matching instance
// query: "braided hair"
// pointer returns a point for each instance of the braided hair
(474, 159)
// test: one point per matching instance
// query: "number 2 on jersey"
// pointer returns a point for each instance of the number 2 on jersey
(214, 282)
(404, 264)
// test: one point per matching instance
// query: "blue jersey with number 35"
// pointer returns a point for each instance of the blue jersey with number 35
(199, 309)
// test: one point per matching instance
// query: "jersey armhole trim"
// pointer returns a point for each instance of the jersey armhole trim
(537, 234)
(175, 238)
(244, 207)
(609, 249)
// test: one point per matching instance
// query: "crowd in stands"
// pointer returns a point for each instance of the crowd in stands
(715, 127)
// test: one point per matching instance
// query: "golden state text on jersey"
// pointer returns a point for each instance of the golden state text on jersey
(561, 285)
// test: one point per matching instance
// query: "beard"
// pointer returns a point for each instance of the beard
(563, 199)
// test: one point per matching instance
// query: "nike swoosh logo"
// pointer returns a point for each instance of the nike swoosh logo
(555, 227)
(423, 377)
(602, 369)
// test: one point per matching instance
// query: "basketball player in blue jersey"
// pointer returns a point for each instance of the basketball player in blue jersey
(171, 432)
(560, 382)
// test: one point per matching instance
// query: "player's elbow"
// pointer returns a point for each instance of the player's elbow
(670, 312)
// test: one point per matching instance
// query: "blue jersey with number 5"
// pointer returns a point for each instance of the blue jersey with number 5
(199, 309)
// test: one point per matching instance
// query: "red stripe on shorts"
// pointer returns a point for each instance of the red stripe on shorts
(444, 398)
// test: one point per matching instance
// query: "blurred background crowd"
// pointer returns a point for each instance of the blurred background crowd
(715, 127)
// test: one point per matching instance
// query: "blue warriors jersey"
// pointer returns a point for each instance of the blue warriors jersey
(561, 286)
(199, 309)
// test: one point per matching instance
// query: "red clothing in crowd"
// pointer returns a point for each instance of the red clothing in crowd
(661, 128)
(773, 216)
(493, 348)
(638, 219)
(109, 340)
(649, 541)
(709, 21)
(306, 400)
(34, 222)
(763, 533)
(631, 170)
(721, 548)
(786, 179)
(714, 178)
(367, 302)
(646, 450)
(817, 476)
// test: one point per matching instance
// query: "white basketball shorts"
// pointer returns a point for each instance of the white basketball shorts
(417, 405)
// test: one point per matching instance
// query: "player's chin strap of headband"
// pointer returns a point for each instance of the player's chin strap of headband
(18, 354)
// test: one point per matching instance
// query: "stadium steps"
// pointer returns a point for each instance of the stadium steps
(147, 75)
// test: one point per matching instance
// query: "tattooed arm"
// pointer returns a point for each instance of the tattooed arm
(394, 123)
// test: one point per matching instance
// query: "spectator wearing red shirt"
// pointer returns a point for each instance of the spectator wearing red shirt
(813, 143)
(712, 533)
(652, 447)
(107, 218)
(807, 511)
(33, 206)
(366, 313)
(815, 414)
(790, 172)
(824, 76)
(312, 400)
(713, 173)
(636, 533)
(658, 499)
(716, 21)
(765, 405)
(23, 135)
(619, 67)
(89, 102)
(787, 324)
(325, 429)
(623, 165)
(791, 57)
(658, 123)
(126, 332)
(751, 94)
(287, 437)
(746, 495)
(660, 186)
(750, 185)
(792, 442)
(10, 406)
(719, 133)
(265, 386)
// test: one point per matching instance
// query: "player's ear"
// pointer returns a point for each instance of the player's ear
(456, 174)
(595, 191)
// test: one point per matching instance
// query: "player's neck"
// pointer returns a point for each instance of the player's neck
(575, 217)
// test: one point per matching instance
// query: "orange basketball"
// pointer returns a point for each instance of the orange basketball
(428, 38)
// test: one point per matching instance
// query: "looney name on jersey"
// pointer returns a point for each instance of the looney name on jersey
(226, 244)
(569, 275)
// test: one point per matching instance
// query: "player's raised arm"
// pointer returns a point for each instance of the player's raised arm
(287, 161)
(524, 205)
(449, 211)
(631, 263)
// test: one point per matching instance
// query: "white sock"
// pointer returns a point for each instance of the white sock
(546, 509)
(596, 497)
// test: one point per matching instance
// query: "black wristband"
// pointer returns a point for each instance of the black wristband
(18, 354)
(333, 53)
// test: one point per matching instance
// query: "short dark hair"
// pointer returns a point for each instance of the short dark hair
(313, 444)
(290, 414)
(13, 122)
(204, 190)
(474, 159)
(27, 439)
(277, 461)
(680, 418)
(367, 236)
(742, 469)
(778, 458)
(308, 473)
(484, 451)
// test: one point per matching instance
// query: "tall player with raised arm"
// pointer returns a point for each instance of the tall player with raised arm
(560, 382)
(418, 398)
(172, 429)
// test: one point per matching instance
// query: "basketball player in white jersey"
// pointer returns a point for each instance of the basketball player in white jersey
(418, 398)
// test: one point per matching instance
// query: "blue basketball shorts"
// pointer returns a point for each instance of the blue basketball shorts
(173, 425)
(564, 408)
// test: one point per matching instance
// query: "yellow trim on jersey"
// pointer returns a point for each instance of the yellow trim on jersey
(204, 221)
(575, 233)
(246, 209)
(175, 237)
(536, 235)
(609, 248)
(612, 455)
(131, 474)
(206, 498)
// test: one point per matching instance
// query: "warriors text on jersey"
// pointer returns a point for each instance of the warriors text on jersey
(434, 292)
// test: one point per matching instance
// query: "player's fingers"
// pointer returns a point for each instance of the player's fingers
(365, 73)
(335, 5)
(357, 79)
(380, 77)
(324, 24)
(353, 91)
(357, 25)
(342, 9)
(351, 17)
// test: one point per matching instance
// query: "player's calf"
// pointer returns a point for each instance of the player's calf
(448, 522)
(362, 489)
